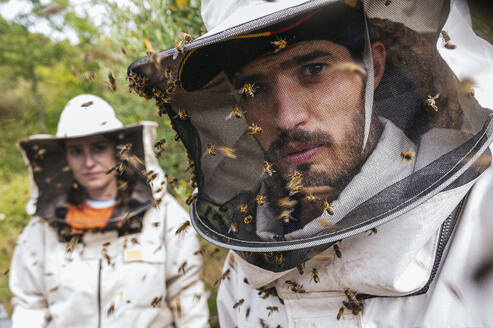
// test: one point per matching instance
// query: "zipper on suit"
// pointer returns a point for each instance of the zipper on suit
(99, 292)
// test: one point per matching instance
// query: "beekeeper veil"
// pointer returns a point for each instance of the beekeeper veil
(311, 121)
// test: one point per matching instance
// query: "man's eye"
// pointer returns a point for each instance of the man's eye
(314, 69)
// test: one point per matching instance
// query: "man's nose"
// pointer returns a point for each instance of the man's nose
(291, 106)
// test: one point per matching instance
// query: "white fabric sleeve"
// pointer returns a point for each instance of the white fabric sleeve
(185, 291)
(26, 279)
(226, 298)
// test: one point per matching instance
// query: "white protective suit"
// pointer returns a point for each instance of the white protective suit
(110, 279)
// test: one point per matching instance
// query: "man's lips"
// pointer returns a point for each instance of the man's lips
(300, 153)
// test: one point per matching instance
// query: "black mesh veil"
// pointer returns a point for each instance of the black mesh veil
(317, 122)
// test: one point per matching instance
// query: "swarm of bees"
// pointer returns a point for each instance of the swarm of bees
(279, 44)
(431, 102)
(408, 156)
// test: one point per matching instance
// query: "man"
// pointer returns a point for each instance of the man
(311, 124)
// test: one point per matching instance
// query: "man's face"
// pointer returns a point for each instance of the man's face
(311, 112)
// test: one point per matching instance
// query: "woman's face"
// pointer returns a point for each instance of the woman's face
(90, 158)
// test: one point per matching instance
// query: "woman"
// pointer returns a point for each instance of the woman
(107, 247)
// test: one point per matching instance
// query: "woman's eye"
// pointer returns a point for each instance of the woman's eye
(314, 69)
(75, 152)
(99, 148)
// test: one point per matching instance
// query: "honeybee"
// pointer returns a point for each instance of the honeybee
(349, 68)
(87, 104)
(268, 168)
(37, 169)
(260, 199)
(466, 85)
(182, 115)
(124, 51)
(111, 310)
(340, 313)
(88, 76)
(156, 301)
(279, 258)
(180, 48)
(71, 244)
(159, 145)
(177, 137)
(211, 150)
(285, 216)
(445, 36)
(327, 207)
(197, 297)
(450, 45)
(279, 44)
(244, 208)
(185, 36)
(387, 3)
(238, 303)
(315, 276)
(372, 231)
(111, 82)
(248, 90)
(301, 268)
(182, 267)
(310, 197)
(431, 102)
(233, 228)
(190, 199)
(124, 149)
(408, 156)
(247, 313)
(184, 227)
(235, 112)
(248, 219)
(287, 202)
(167, 72)
(228, 152)
(263, 324)
(272, 309)
(245, 280)
(254, 129)
(337, 250)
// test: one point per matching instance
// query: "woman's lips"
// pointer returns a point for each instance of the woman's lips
(300, 154)
(92, 175)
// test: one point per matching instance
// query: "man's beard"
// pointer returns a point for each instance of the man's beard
(343, 160)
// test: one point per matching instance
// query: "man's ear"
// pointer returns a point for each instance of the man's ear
(379, 54)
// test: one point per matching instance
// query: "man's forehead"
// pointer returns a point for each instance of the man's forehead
(299, 52)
